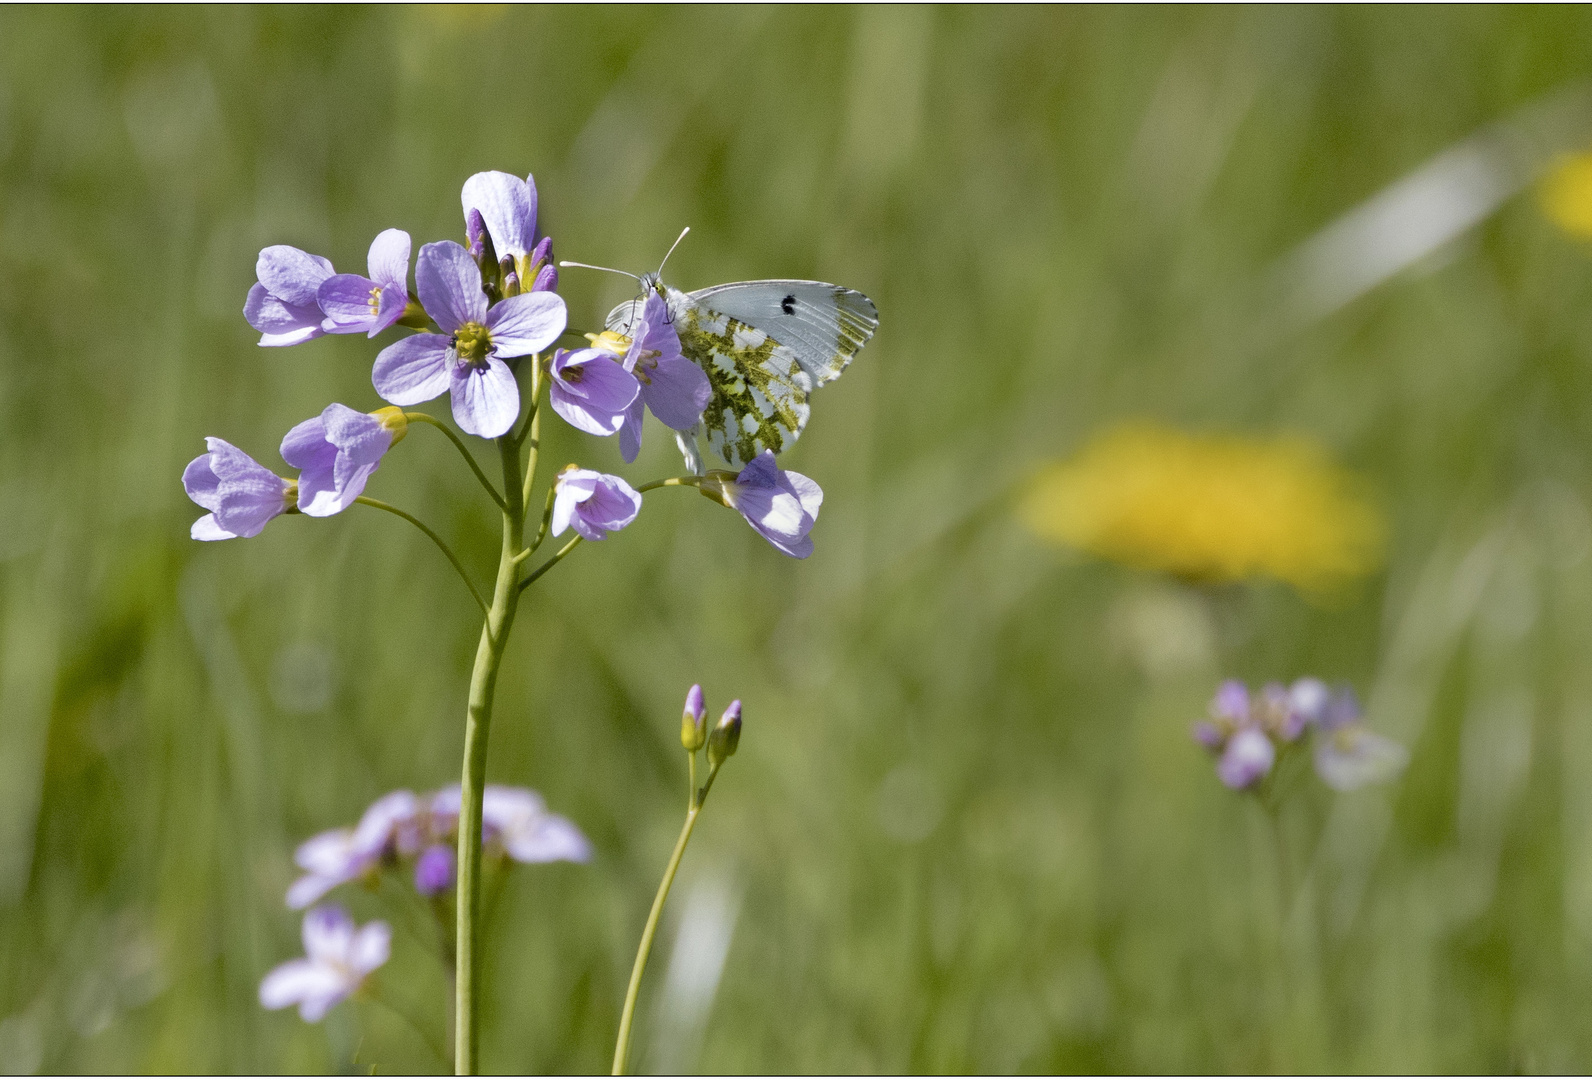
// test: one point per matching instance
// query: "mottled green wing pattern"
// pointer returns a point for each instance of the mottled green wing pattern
(759, 388)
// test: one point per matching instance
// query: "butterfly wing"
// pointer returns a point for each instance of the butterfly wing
(824, 325)
(764, 346)
(760, 391)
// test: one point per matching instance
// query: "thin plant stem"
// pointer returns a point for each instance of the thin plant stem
(427, 418)
(435, 539)
(550, 563)
(673, 481)
(478, 720)
(644, 950)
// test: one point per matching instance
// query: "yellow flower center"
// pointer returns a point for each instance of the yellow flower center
(472, 342)
(375, 300)
(610, 341)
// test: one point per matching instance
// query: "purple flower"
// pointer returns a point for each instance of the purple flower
(341, 855)
(782, 506)
(1231, 702)
(282, 305)
(517, 821)
(467, 358)
(1347, 755)
(1351, 757)
(505, 206)
(241, 494)
(336, 452)
(674, 388)
(592, 390)
(355, 304)
(1248, 757)
(338, 958)
(434, 870)
(594, 504)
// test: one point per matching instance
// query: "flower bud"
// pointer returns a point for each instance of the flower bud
(726, 735)
(511, 284)
(546, 279)
(434, 870)
(693, 721)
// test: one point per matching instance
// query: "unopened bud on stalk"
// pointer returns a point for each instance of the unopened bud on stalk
(693, 722)
(726, 735)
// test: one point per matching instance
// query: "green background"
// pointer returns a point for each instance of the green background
(966, 830)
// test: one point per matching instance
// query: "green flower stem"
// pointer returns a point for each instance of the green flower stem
(550, 563)
(478, 720)
(673, 481)
(435, 539)
(644, 950)
(427, 418)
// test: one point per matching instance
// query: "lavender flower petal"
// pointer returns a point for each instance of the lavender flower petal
(1249, 757)
(434, 870)
(449, 284)
(1352, 757)
(526, 324)
(1231, 702)
(412, 370)
(508, 207)
(388, 260)
(241, 494)
(591, 391)
(486, 400)
(593, 504)
(338, 959)
(279, 323)
(782, 506)
(677, 393)
(630, 430)
(292, 275)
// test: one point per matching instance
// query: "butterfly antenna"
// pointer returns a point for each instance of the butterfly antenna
(672, 247)
(609, 269)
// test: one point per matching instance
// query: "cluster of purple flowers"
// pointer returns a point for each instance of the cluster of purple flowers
(1248, 731)
(493, 302)
(398, 829)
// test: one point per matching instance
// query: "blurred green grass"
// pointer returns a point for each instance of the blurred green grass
(966, 827)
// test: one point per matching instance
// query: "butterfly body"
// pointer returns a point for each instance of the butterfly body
(764, 346)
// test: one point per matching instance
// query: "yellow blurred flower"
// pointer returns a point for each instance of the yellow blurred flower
(1566, 195)
(1209, 507)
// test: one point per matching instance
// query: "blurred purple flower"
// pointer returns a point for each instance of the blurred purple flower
(338, 959)
(780, 505)
(467, 359)
(283, 304)
(241, 494)
(1231, 702)
(355, 304)
(1347, 755)
(591, 390)
(674, 388)
(341, 855)
(517, 821)
(594, 504)
(336, 453)
(434, 870)
(1247, 758)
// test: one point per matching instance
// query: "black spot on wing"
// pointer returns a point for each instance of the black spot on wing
(788, 305)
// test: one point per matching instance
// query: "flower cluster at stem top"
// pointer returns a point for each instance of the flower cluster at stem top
(478, 309)
(1247, 732)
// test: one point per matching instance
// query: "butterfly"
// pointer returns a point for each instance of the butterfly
(765, 346)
